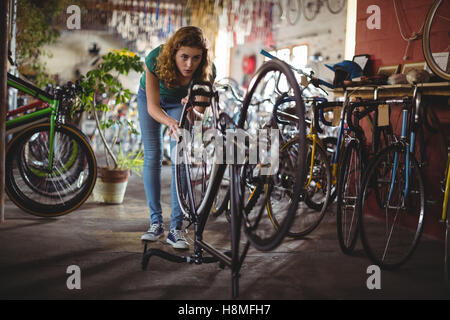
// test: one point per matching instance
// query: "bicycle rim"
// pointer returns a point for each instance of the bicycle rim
(335, 6)
(38, 191)
(310, 9)
(196, 164)
(294, 10)
(436, 28)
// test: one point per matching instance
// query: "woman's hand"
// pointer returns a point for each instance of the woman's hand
(196, 112)
(174, 128)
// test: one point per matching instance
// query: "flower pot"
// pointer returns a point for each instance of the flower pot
(111, 185)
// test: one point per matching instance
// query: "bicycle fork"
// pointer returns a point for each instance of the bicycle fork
(51, 138)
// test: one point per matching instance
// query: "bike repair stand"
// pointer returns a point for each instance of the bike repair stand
(225, 259)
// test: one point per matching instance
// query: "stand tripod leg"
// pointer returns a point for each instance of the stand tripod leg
(235, 230)
(162, 254)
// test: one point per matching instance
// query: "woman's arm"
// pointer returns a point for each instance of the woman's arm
(153, 103)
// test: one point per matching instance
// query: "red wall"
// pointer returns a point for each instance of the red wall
(386, 47)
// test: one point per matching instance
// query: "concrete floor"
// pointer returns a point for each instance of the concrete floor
(104, 241)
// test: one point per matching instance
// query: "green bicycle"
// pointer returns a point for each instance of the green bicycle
(50, 166)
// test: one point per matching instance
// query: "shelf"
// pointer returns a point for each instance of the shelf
(396, 90)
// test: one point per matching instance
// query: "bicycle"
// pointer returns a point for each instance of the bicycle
(50, 166)
(318, 181)
(354, 159)
(322, 191)
(392, 225)
(436, 23)
(197, 182)
(349, 159)
(318, 177)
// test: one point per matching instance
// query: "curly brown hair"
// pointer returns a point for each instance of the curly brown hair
(189, 36)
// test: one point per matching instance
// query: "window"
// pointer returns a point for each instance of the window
(295, 55)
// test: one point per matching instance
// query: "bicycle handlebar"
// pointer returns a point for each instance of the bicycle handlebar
(318, 112)
(200, 92)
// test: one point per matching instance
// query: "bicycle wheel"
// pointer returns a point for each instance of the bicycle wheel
(330, 145)
(318, 188)
(445, 209)
(391, 232)
(165, 144)
(222, 200)
(310, 9)
(50, 193)
(294, 11)
(335, 6)
(195, 160)
(447, 252)
(349, 186)
(435, 31)
(260, 177)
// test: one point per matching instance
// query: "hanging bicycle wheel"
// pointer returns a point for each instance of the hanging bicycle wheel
(318, 188)
(435, 44)
(391, 231)
(259, 175)
(310, 9)
(335, 6)
(45, 192)
(293, 11)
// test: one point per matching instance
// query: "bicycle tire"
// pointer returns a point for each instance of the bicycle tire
(310, 9)
(262, 235)
(335, 6)
(165, 145)
(330, 145)
(201, 173)
(349, 176)
(72, 187)
(221, 204)
(308, 220)
(445, 206)
(295, 10)
(447, 252)
(33, 172)
(373, 224)
(426, 39)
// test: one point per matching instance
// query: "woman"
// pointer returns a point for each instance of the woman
(169, 70)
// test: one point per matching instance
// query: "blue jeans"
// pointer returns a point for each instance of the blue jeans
(153, 143)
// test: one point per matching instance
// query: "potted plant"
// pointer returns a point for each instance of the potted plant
(102, 81)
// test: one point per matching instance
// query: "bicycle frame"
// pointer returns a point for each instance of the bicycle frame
(50, 112)
(409, 148)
